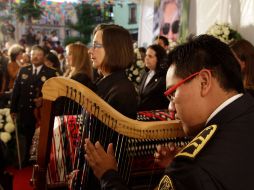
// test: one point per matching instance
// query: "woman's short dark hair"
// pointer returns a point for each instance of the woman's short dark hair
(208, 52)
(117, 42)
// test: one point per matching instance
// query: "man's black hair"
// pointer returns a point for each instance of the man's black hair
(208, 52)
(163, 38)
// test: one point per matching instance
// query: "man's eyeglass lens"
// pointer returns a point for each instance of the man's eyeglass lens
(170, 93)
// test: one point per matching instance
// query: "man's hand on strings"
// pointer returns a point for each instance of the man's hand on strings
(165, 154)
(99, 160)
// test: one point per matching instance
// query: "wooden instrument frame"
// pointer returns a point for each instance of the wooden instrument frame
(57, 87)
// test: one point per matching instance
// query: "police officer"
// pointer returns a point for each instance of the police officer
(27, 95)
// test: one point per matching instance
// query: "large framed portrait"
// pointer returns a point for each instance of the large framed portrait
(169, 18)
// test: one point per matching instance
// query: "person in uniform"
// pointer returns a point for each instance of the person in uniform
(27, 95)
(206, 92)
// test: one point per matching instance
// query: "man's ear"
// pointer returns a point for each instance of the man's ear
(205, 81)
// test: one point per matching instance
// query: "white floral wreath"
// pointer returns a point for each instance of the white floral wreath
(135, 69)
(224, 32)
(6, 125)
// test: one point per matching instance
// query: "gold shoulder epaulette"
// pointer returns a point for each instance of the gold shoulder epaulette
(165, 183)
(196, 145)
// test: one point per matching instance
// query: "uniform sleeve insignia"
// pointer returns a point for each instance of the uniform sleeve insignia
(165, 183)
(24, 76)
(43, 78)
(196, 145)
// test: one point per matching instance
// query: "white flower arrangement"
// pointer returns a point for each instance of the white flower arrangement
(136, 68)
(7, 126)
(224, 32)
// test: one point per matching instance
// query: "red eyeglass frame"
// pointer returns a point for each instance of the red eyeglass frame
(173, 88)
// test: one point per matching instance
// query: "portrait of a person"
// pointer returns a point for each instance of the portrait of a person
(167, 14)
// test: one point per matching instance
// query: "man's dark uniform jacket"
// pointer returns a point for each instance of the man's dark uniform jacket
(27, 87)
(220, 157)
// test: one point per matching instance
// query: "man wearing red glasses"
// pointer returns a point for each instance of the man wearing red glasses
(206, 92)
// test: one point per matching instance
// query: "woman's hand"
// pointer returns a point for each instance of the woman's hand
(99, 160)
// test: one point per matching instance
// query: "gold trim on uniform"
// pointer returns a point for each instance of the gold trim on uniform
(194, 147)
(165, 183)
(43, 78)
(24, 76)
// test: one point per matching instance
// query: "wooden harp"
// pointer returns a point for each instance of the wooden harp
(132, 139)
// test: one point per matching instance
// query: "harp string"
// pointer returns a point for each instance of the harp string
(101, 123)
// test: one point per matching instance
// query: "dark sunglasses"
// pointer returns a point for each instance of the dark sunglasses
(174, 27)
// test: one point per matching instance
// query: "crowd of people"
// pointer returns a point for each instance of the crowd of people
(205, 83)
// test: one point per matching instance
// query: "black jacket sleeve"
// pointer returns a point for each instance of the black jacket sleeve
(112, 181)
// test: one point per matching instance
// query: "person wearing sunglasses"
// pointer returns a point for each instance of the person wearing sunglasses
(206, 91)
(170, 19)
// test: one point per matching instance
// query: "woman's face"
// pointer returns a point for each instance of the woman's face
(151, 59)
(97, 52)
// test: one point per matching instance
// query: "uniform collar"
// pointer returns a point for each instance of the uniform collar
(223, 105)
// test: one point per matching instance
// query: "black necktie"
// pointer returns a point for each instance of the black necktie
(35, 71)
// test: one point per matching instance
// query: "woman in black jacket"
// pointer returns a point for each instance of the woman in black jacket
(111, 53)
(153, 81)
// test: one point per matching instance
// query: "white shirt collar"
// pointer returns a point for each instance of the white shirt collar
(223, 105)
(38, 68)
(150, 75)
